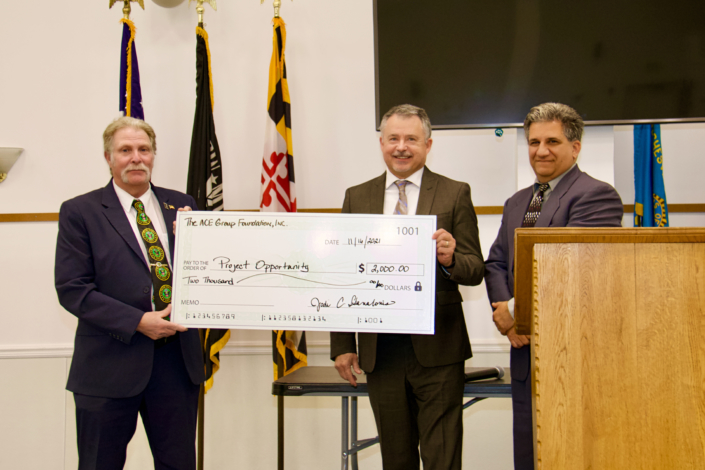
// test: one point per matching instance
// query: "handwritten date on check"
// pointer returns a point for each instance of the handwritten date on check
(326, 272)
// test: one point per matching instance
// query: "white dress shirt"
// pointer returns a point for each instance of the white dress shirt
(151, 207)
(412, 190)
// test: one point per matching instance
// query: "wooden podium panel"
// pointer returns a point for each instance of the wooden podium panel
(618, 351)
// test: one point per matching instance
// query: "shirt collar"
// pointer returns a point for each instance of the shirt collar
(126, 198)
(554, 182)
(414, 178)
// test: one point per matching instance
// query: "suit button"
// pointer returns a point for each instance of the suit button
(146, 290)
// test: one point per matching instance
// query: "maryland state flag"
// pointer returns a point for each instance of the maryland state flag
(650, 207)
(130, 92)
(205, 177)
(278, 192)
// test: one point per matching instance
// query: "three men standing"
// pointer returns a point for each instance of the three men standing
(562, 196)
(113, 271)
(113, 258)
(416, 382)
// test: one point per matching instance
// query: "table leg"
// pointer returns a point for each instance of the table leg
(353, 431)
(472, 402)
(356, 445)
(280, 432)
(345, 442)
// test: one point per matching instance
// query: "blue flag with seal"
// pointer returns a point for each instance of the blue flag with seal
(130, 91)
(650, 207)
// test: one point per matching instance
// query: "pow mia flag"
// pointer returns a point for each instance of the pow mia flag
(205, 178)
(205, 173)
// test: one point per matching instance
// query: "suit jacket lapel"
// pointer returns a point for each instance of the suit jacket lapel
(548, 210)
(515, 217)
(429, 183)
(115, 214)
(169, 215)
(376, 200)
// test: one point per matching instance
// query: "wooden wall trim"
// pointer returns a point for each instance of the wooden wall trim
(676, 208)
(479, 210)
(32, 217)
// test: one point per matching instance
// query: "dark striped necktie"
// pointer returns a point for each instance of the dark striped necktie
(534, 210)
(402, 207)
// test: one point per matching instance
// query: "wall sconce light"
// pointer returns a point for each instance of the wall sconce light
(8, 157)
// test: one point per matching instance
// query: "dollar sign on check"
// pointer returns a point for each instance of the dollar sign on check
(362, 267)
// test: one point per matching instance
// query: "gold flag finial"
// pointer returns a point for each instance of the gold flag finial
(277, 5)
(200, 9)
(126, 9)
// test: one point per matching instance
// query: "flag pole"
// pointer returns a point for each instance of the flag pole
(280, 418)
(280, 362)
(126, 9)
(201, 423)
(200, 9)
(280, 369)
(280, 196)
(277, 5)
(200, 426)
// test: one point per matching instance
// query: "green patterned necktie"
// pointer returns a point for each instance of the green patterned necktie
(158, 265)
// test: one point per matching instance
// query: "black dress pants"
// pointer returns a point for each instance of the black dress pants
(168, 406)
(522, 414)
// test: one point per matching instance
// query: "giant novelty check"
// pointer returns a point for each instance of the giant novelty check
(327, 272)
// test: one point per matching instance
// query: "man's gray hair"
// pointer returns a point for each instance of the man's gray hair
(123, 122)
(570, 119)
(408, 110)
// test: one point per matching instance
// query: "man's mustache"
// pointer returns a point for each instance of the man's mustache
(135, 167)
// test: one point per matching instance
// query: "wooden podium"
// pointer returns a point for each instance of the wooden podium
(618, 347)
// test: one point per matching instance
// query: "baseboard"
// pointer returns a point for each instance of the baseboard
(239, 348)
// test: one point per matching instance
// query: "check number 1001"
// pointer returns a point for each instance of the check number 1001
(407, 230)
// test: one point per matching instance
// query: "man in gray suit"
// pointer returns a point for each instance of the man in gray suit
(416, 382)
(562, 196)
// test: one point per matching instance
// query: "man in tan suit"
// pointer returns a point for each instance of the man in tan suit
(416, 382)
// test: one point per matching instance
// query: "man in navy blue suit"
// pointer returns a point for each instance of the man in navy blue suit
(113, 257)
(562, 196)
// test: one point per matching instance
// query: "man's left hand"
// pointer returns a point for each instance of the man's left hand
(502, 318)
(181, 209)
(445, 246)
(518, 341)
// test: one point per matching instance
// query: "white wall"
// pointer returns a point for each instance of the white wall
(58, 90)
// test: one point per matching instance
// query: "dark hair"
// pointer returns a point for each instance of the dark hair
(567, 116)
